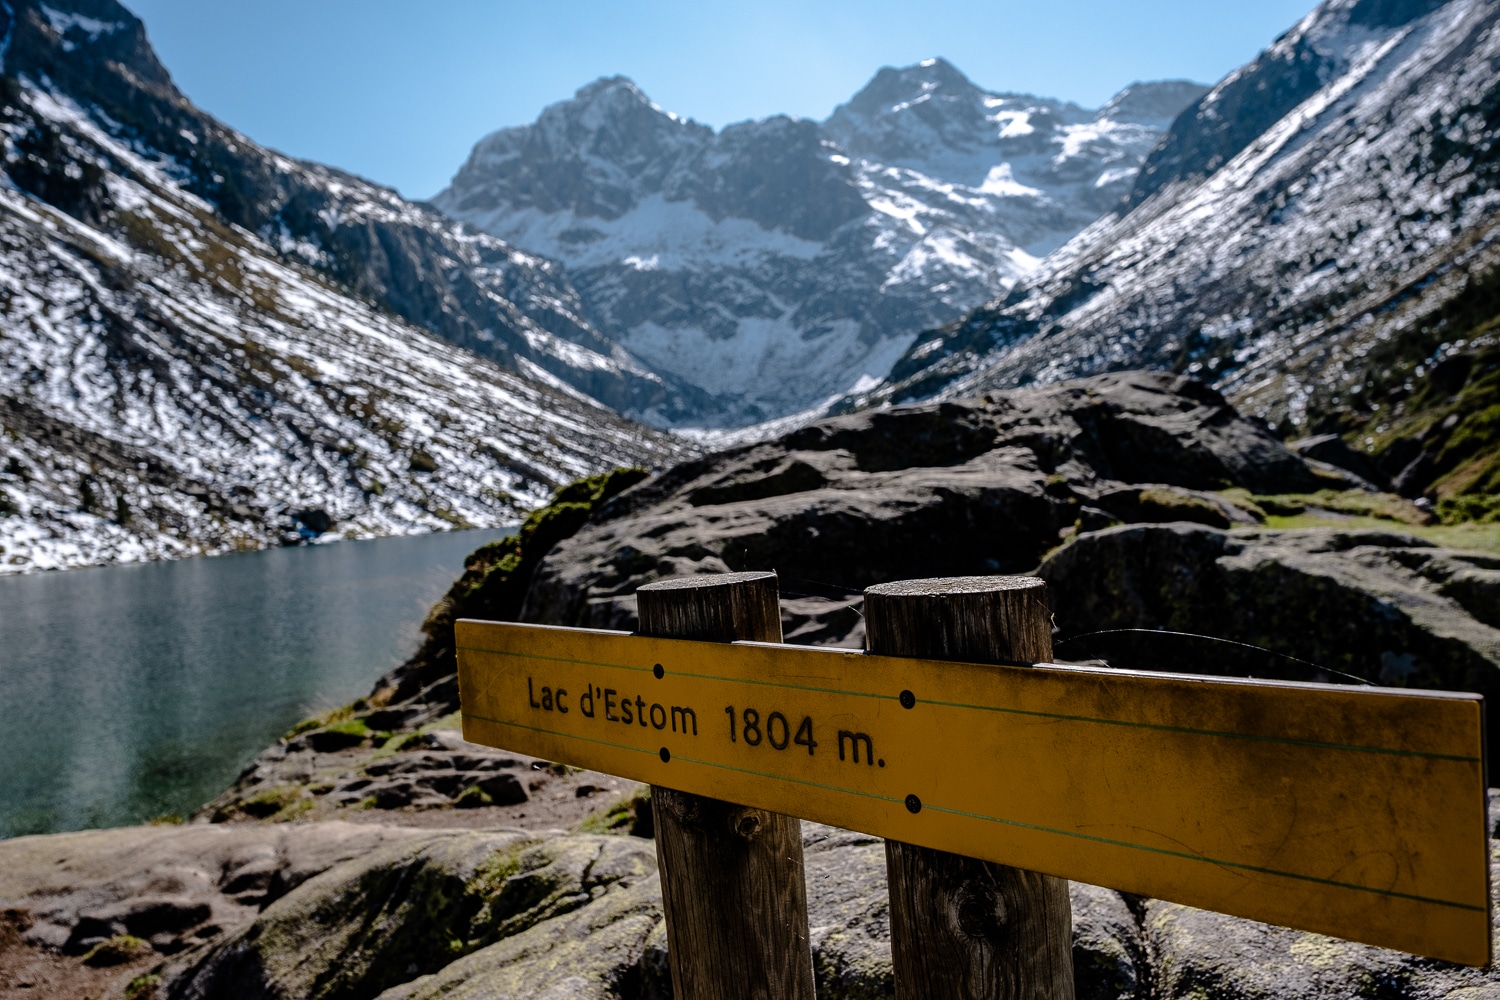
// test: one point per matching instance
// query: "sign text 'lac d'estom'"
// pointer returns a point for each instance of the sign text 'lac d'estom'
(1355, 812)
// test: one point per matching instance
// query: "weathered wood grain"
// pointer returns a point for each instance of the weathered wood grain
(963, 928)
(732, 879)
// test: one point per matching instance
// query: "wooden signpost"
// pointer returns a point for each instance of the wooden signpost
(1351, 811)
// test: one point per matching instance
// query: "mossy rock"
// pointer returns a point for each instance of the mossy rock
(473, 797)
(1481, 509)
(630, 814)
(117, 950)
(341, 736)
(328, 718)
(1353, 503)
(1163, 503)
(143, 987)
(497, 575)
(411, 909)
(1245, 501)
(264, 804)
(1438, 434)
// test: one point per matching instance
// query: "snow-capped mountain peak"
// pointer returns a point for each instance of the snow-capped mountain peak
(935, 82)
(930, 117)
(594, 156)
(777, 263)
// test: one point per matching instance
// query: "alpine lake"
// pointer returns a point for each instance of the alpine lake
(137, 692)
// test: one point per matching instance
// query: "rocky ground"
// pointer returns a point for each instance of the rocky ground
(340, 909)
(373, 853)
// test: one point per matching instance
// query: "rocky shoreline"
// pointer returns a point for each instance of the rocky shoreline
(373, 853)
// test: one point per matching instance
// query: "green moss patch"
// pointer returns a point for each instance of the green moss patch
(629, 814)
(473, 797)
(1482, 509)
(143, 987)
(496, 575)
(1444, 436)
(328, 718)
(267, 804)
(117, 950)
(1163, 503)
(1350, 503)
(1242, 498)
(1468, 535)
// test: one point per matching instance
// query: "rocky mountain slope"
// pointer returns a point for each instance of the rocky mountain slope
(470, 289)
(774, 264)
(1314, 234)
(206, 346)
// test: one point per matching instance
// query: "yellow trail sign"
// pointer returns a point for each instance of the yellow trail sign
(1355, 812)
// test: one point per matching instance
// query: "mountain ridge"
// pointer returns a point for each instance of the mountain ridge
(773, 264)
(469, 288)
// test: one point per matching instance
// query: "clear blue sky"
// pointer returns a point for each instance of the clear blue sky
(399, 90)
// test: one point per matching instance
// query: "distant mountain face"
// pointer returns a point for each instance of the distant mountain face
(1307, 232)
(774, 264)
(207, 346)
(1033, 169)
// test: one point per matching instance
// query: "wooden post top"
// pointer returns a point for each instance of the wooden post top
(704, 581)
(719, 608)
(994, 619)
(947, 586)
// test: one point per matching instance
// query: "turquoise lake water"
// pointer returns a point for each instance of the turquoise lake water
(130, 692)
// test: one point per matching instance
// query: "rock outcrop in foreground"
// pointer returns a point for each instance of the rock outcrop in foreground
(1383, 606)
(373, 854)
(975, 486)
(337, 911)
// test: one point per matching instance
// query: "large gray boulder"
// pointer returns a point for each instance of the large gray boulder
(1199, 954)
(978, 486)
(601, 952)
(174, 886)
(410, 910)
(1379, 606)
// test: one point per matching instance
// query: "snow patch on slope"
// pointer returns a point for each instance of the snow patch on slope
(168, 387)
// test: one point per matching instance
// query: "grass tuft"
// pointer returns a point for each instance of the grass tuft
(117, 950)
(629, 814)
